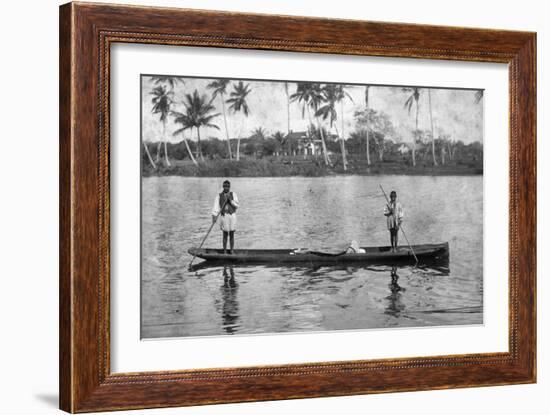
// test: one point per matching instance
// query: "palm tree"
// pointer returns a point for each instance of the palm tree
(413, 99)
(332, 94)
(310, 96)
(238, 103)
(162, 101)
(149, 155)
(219, 87)
(280, 137)
(367, 90)
(186, 121)
(288, 118)
(432, 125)
(478, 96)
(199, 112)
(166, 80)
(342, 94)
(162, 80)
(260, 133)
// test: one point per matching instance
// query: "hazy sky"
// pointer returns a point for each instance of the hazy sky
(454, 111)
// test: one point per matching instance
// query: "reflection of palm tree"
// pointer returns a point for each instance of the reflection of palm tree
(238, 103)
(199, 114)
(219, 87)
(162, 101)
(413, 99)
(230, 307)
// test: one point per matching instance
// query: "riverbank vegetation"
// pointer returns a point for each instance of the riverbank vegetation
(374, 146)
(264, 158)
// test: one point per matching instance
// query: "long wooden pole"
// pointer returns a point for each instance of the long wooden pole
(400, 226)
(209, 230)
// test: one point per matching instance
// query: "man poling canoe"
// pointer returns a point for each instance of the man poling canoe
(394, 214)
(395, 224)
(225, 211)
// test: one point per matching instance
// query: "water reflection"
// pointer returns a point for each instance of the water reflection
(215, 298)
(230, 304)
(395, 303)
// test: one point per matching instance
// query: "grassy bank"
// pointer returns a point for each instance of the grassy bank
(313, 167)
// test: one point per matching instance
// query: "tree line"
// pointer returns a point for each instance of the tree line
(322, 103)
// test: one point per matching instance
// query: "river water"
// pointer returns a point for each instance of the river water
(309, 212)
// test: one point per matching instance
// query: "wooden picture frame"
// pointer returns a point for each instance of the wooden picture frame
(86, 33)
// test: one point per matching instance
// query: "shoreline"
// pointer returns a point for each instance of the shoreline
(303, 168)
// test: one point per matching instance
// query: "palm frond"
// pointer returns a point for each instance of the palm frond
(166, 79)
(219, 87)
(478, 96)
(237, 101)
(409, 103)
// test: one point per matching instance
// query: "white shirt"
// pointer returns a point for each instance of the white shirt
(216, 207)
(397, 210)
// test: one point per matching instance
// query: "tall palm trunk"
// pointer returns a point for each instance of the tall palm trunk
(367, 88)
(166, 154)
(323, 144)
(322, 135)
(189, 150)
(342, 149)
(199, 150)
(432, 125)
(239, 144)
(159, 147)
(149, 155)
(289, 141)
(415, 136)
(450, 150)
(309, 129)
(342, 142)
(165, 145)
(226, 129)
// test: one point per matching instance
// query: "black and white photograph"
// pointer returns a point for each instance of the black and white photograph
(277, 206)
(292, 206)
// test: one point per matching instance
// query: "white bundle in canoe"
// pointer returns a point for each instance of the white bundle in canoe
(339, 249)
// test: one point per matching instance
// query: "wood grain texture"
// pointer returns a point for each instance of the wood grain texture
(86, 33)
(65, 247)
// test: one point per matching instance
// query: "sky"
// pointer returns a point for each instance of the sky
(455, 111)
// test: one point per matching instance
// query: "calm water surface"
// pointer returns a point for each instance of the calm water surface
(308, 212)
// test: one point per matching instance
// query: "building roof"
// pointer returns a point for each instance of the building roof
(296, 135)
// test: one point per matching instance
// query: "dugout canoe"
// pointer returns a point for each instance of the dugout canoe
(378, 254)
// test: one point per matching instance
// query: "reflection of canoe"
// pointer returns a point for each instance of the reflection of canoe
(381, 254)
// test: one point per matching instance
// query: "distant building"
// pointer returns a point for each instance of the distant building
(304, 145)
(403, 149)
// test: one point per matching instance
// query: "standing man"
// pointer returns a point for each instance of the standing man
(225, 205)
(394, 213)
